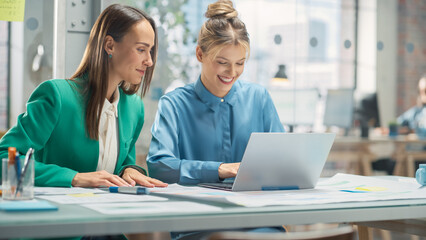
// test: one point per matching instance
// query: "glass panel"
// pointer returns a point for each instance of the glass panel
(4, 72)
(310, 43)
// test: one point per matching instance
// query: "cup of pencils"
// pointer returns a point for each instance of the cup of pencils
(18, 175)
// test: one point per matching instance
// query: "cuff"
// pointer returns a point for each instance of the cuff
(210, 171)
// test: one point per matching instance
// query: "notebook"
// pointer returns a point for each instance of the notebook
(280, 161)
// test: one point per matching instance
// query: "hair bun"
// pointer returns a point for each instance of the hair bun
(221, 9)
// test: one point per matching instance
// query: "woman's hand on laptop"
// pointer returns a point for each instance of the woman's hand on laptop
(228, 170)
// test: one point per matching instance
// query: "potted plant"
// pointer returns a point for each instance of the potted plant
(393, 128)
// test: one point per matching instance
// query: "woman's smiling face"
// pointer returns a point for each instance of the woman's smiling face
(219, 73)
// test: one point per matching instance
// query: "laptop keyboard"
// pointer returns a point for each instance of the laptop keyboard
(221, 185)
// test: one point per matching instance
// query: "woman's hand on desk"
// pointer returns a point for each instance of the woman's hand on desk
(133, 177)
(96, 179)
(228, 170)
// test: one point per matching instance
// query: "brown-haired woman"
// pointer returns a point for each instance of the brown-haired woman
(84, 129)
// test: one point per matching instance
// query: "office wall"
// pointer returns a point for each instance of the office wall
(31, 47)
(4, 66)
(411, 51)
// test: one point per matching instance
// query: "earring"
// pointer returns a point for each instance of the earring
(110, 55)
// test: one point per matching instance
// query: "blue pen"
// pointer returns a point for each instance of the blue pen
(129, 190)
(353, 191)
(24, 170)
(18, 166)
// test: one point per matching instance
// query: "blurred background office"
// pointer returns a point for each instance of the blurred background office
(330, 65)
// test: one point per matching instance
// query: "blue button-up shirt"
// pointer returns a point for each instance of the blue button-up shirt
(194, 131)
(413, 118)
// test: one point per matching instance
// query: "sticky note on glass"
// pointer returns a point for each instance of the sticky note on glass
(12, 10)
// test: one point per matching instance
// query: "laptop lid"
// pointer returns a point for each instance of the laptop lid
(280, 161)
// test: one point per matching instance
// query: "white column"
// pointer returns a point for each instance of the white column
(387, 27)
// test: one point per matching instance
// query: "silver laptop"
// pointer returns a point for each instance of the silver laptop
(280, 161)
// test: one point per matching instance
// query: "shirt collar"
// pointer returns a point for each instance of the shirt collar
(211, 100)
(114, 105)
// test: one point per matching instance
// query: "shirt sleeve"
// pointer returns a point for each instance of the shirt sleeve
(164, 160)
(33, 129)
(270, 117)
(407, 119)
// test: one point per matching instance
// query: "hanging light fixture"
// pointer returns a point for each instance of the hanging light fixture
(280, 76)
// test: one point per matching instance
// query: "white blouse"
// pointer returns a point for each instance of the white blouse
(108, 147)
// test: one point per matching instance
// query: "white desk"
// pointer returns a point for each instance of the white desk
(72, 219)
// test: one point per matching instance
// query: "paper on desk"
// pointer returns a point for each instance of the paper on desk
(338, 189)
(248, 198)
(64, 190)
(152, 207)
(342, 181)
(82, 198)
(194, 192)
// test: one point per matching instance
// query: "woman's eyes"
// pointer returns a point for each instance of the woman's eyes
(141, 50)
(224, 63)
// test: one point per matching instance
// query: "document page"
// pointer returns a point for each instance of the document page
(152, 207)
(81, 198)
(337, 189)
(64, 190)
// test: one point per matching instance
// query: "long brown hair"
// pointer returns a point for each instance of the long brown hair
(222, 28)
(115, 21)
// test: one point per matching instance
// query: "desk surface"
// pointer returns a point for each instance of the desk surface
(72, 219)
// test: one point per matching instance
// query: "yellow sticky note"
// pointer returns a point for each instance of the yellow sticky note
(371, 189)
(83, 195)
(12, 10)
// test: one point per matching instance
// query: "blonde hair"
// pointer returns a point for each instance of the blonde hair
(222, 28)
(115, 21)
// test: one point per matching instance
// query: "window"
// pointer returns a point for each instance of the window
(312, 41)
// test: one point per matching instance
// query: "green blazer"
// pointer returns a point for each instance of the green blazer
(54, 125)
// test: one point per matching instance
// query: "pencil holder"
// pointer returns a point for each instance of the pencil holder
(17, 180)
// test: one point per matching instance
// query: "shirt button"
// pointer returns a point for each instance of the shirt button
(222, 100)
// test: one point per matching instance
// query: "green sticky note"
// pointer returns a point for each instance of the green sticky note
(12, 10)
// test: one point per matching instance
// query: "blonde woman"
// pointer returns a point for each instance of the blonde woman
(201, 130)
